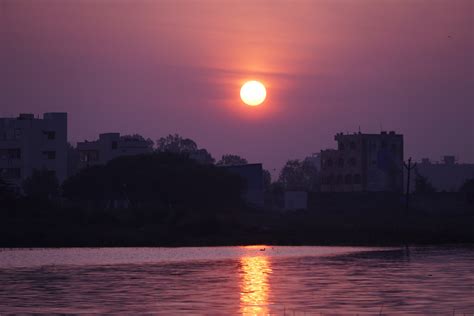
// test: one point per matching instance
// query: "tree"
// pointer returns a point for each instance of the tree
(6, 190)
(179, 145)
(42, 184)
(72, 159)
(267, 180)
(467, 188)
(162, 180)
(137, 137)
(231, 160)
(176, 144)
(422, 184)
(202, 156)
(299, 175)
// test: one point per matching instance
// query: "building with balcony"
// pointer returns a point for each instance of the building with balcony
(110, 146)
(363, 162)
(28, 143)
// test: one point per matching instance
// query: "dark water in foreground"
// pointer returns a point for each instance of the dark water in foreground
(238, 280)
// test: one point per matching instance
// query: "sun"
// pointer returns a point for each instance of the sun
(253, 93)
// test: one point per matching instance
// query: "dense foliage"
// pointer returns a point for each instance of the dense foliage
(299, 175)
(231, 160)
(163, 179)
(42, 185)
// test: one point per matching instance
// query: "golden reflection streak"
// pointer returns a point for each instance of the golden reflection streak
(254, 287)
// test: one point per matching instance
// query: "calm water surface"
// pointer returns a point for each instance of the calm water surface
(239, 280)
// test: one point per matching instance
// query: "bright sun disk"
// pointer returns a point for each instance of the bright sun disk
(253, 93)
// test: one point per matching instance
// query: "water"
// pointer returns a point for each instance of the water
(238, 280)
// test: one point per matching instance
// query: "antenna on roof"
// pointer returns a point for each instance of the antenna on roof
(359, 129)
(381, 129)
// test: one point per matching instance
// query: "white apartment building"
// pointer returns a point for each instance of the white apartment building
(28, 143)
(110, 146)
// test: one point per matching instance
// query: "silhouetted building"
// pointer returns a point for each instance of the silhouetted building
(28, 143)
(253, 176)
(363, 162)
(315, 159)
(447, 175)
(108, 147)
(296, 200)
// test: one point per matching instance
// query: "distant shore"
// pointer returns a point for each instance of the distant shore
(130, 228)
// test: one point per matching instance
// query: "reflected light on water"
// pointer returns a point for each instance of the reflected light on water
(254, 287)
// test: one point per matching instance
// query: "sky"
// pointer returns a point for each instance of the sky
(159, 67)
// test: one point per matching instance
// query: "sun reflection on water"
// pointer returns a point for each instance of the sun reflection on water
(254, 287)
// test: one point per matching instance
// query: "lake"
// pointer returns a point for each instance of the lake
(250, 280)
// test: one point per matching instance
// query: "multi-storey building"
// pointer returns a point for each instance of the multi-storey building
(363, 162)
(447, 175)
(110, 146)
(28, 143)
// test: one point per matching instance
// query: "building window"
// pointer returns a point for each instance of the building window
(114, 145)
(353, 145)
(10, 153)
(51, 135)
(348, 179)
(357, 179)
(14, 153)
(11, 173)
(384, 144)
(341, 146)
(340, 163)
(331, 179)
(329, 163)
(394, 149)
(50, 155)
(17, 134)
(88, 155)
(339, 179)
(353, 162)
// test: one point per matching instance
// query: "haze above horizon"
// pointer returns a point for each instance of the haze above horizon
(165, 67)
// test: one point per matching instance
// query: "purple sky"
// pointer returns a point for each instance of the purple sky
(158, 67)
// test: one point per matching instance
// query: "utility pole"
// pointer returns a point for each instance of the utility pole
(409, 167)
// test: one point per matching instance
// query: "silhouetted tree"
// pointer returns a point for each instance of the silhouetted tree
(165, 180)
(467, 188)
(299, 175)
(42, 184)
(72, 159)
(267, 180)
(422, 184)
(231, 160)
(202, 156)
(6, 189)
(176, 144)
(274, 196)
(185, 146)
(138, 137)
